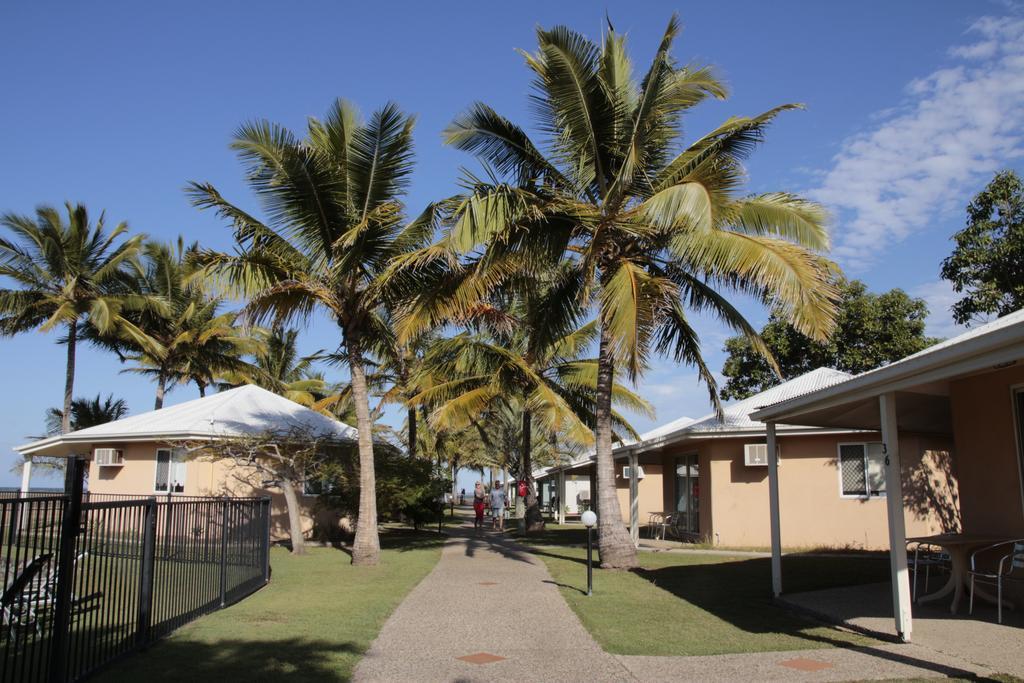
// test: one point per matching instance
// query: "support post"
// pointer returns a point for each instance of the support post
(223, 552)
(773, 504)
(634, 498)
(897, 528)
(69, 529)
(561, 496)
(26, 476)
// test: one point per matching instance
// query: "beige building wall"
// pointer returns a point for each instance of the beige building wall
(986, 445)
(734, 497)
(649, 491)
(204, 477)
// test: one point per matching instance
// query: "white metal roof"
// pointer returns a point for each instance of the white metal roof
(991, 345)
(244, 411)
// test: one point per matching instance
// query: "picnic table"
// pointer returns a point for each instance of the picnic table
(959, 547)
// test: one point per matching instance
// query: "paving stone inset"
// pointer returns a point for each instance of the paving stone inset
(481, 658)
(488, 583)
(801, 664)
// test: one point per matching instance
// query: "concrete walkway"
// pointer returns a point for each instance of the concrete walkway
(465, 622)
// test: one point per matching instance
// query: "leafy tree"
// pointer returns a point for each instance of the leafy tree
(87, 412)
(871, 330)
(988, 261)
(653, 227)
(334, 221)
(70, 274)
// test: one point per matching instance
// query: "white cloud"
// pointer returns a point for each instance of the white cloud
(923, 159)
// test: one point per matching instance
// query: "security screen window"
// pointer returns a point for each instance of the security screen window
(862, 470)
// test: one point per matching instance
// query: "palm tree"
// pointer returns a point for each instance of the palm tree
(333, 210)
(87, 412)
(529, 356)
(654, 228)
(69, 274)
(282, 370)
(189, 340)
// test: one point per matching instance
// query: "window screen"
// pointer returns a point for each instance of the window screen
(163, 470)
(170, 470)
(851, 468)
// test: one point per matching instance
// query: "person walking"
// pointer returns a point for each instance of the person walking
(462, 497)
(479, 498)
(498, 506)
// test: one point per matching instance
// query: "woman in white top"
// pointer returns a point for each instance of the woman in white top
(498, 506)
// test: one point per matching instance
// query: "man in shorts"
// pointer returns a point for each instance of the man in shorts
(498, 506)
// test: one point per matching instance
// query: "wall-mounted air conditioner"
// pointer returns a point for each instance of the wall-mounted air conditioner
(639, 472)
(755, 454)
(109, 457)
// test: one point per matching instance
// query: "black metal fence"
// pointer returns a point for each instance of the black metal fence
(87, 582)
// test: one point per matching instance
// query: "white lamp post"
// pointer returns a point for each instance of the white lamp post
(589, 519)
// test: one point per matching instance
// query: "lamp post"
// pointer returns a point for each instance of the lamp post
(589, 519)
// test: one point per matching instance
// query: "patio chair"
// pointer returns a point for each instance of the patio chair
(657, 522)
(926, 556)
(1009, 569)
(17, 613)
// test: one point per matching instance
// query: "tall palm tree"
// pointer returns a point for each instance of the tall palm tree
(189, 339)
(332, 201)
(654, 227)
(70, 274)
(87, 412)
(281, 369)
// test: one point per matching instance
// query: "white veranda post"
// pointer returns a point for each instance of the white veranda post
(26, 475)
(773, 504)
(897, 530)
(561, 496)
(634, 496)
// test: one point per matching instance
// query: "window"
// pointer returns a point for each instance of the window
(318, 487)
(861, 469)
(170, 470)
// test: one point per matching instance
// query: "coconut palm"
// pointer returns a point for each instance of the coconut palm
(332, 201)
(189, 339)
(71, 275)
(87, 412)
(655, 228)
(281, 369)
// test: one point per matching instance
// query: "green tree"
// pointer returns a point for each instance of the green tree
(334, 221)
(71, 275)
(653, 227)
(281, 369)
(988, 259)
(871, 330)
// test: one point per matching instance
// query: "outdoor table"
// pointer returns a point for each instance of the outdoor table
(959, 547)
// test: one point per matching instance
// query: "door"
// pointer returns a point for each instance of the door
(688, 493)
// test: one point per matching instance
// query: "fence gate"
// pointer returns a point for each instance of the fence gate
(88, 579)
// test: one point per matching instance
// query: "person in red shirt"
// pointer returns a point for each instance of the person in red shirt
(479, 496)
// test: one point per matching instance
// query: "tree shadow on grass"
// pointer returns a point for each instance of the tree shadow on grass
(226, 661)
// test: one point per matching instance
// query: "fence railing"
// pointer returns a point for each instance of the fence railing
(88, 582)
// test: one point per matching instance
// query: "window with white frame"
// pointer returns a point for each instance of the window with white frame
(170, 470)
(861, 470)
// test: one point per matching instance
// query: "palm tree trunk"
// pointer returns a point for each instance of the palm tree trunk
(534, 519)
(69, 377)
(411, 418)
(613, 541)
(161, 389)
(366, 547)
(202, 389)
(291, 501)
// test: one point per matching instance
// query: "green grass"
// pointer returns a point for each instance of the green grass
(313, 621)
(694, 604)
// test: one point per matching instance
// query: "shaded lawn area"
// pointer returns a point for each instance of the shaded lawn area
(314, 620)
(694, 604)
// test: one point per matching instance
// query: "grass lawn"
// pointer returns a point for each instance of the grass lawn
(695, 604)
(313, 621)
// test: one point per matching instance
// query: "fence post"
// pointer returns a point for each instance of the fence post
(223, 552)
(69, 528)
(146, 576)
(266, 541)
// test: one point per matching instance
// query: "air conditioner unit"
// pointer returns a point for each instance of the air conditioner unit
(639, 472)
(755, 454)
(108, 457)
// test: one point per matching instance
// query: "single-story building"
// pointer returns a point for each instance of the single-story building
(142, 454)
(712, 473)
(968, 390)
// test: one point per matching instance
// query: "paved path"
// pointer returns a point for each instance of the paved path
(460, 624)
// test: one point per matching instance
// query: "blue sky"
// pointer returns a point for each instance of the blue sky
(911, 107)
